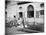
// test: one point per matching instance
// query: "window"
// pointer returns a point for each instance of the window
(41, 12)
(20, 7)
(42, 5)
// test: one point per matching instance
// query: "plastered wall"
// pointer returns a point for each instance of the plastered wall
(13, 9)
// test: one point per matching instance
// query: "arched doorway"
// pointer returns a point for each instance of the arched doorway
(30, 11)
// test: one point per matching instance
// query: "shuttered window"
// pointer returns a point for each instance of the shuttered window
(41, 12)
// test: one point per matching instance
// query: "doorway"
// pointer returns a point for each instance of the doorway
(30, 11)
(20, 14)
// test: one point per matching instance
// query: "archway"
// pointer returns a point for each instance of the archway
(30, 11)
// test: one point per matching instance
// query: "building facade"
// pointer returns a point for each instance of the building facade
(31, 12)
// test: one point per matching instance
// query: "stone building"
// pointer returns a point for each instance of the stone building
(30, 11)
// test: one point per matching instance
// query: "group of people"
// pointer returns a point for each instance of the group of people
(19, 22)
(16, 22)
